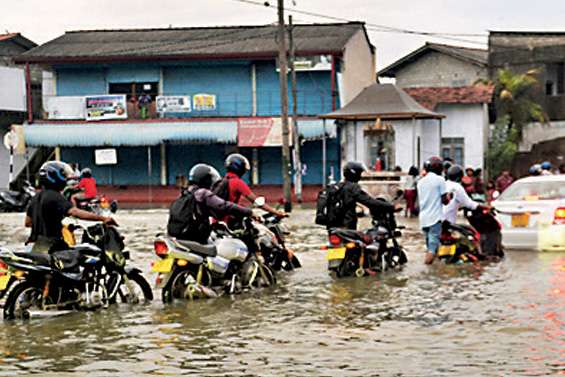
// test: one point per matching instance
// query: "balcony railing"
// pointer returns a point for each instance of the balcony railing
(221, 105)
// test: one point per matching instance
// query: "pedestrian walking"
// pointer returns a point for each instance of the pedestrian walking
(503, 181)
(409, 188)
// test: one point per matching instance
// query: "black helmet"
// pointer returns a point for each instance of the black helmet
(54, 174)
(86, 173)
(447, 163)
(237, 164)
(352, 171)
(203, 176)
(434, 164)
(455, 173)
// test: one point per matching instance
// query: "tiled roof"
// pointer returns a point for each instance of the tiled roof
(7, 36)
(474, 56)
(431, 97)
(236, 41)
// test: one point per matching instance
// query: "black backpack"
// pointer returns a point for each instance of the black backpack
(184, 217)
(330, 206)
(222, 188)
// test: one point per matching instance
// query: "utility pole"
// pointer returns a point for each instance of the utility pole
(295, 134)
(284, 108)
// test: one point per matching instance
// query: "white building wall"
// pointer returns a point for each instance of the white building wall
(12, 89)
(471, 123)
(358, 70)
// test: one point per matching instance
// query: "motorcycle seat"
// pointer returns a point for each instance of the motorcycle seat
(37, 258)
(88, 249)
(198, 248)
(349, 234)
(66, 260)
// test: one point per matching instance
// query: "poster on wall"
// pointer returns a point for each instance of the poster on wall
(260, 132)
(105, 156)
(173, 104)
(106, 107)
(204, 102)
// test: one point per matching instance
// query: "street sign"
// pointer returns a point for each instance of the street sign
(11, 140)
(105, 157)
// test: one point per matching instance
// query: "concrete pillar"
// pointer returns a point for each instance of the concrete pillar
(163, 153)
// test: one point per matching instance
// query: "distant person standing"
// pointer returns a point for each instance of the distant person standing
(503, 181)
(432, 195)
(410, 191)
(144, 103)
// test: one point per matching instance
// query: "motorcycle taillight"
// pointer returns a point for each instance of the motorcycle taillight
(3, 268)
(335, 240)
(161, 248)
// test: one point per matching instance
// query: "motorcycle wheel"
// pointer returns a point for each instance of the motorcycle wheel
(22, 298)
(135, 291)
(176, 287)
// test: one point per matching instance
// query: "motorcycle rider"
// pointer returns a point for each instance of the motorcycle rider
(202, 178)
(432, 194)
(352, 193)
(87, 184)
(546, 168)
(48, 209)
(232, 188)
(460, 198)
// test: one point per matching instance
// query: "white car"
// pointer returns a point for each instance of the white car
(532, 213)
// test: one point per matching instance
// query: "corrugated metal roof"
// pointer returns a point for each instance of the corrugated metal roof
(139, 134)
(129, 134)
(186, 42)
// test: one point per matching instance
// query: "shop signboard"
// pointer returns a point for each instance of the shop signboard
(173, 104)
(106, 107)
(204, 102)
(260, 132)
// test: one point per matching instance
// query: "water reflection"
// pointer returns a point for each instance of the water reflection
(497, 319)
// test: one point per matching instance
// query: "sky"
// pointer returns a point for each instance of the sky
(44, 20)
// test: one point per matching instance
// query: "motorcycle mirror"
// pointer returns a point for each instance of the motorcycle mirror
(495, 194)
(259, 201)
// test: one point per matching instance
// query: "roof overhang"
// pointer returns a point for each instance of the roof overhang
(383, 116)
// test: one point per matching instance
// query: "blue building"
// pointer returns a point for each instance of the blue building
(142, 106)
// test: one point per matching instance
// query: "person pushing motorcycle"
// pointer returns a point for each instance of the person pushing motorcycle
(48, 209)
(232, 188)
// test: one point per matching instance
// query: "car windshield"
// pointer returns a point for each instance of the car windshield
(531, 191)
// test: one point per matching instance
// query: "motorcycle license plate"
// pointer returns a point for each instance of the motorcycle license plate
(520, 220)
(338, 253)
(446, 250)
(4, 280)
(163, 265)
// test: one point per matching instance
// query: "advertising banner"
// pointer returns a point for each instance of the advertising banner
(105, 156)
(106, 107)
(260, 132)
(204, 102)
(173, 104)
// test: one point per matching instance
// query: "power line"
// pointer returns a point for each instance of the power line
(376, 27)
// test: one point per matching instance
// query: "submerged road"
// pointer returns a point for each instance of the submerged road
(505, 319)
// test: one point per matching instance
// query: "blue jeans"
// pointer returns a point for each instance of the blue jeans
(433, 234)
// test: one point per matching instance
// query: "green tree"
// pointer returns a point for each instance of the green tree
(516, 107)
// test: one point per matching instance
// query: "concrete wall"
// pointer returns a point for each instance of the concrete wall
(436, 69)
(358, 67)
(471, 123)
(536, 133)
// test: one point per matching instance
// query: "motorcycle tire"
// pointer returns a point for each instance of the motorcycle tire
(137, 279)
(10, 310)
(168, 293)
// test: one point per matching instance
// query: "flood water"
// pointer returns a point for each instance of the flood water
(505, 319)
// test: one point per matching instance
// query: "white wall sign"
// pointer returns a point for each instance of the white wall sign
(173, 104)
(105, 156)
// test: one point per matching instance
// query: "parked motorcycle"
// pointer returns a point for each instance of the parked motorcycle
(192, 270)
(361, 253)
(17, 201)
(89, 275)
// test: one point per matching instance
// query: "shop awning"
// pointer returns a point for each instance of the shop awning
(129, 134)
(314, 129)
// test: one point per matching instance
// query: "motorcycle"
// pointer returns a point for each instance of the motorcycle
(101, 206)
(14, 201)
(87, 276)
(361, 253)
(191, 270)
(478, 241)
(268, 239)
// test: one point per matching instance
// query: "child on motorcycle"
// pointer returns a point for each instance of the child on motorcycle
(87, 184)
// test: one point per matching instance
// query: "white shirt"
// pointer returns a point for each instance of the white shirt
(460, 199)
(430, 190)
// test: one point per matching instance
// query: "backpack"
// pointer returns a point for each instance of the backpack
(330, 206)
(222, 188)
(183, 216)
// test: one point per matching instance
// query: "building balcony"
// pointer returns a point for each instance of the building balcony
(175, 106)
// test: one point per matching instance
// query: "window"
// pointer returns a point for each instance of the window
(454, 148)
(135, 88)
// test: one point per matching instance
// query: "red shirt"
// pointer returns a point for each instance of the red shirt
(237, 188)
(89, 186)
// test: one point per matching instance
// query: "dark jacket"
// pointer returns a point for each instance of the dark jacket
(353, 194)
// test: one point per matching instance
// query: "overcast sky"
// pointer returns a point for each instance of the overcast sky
(42, 20)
